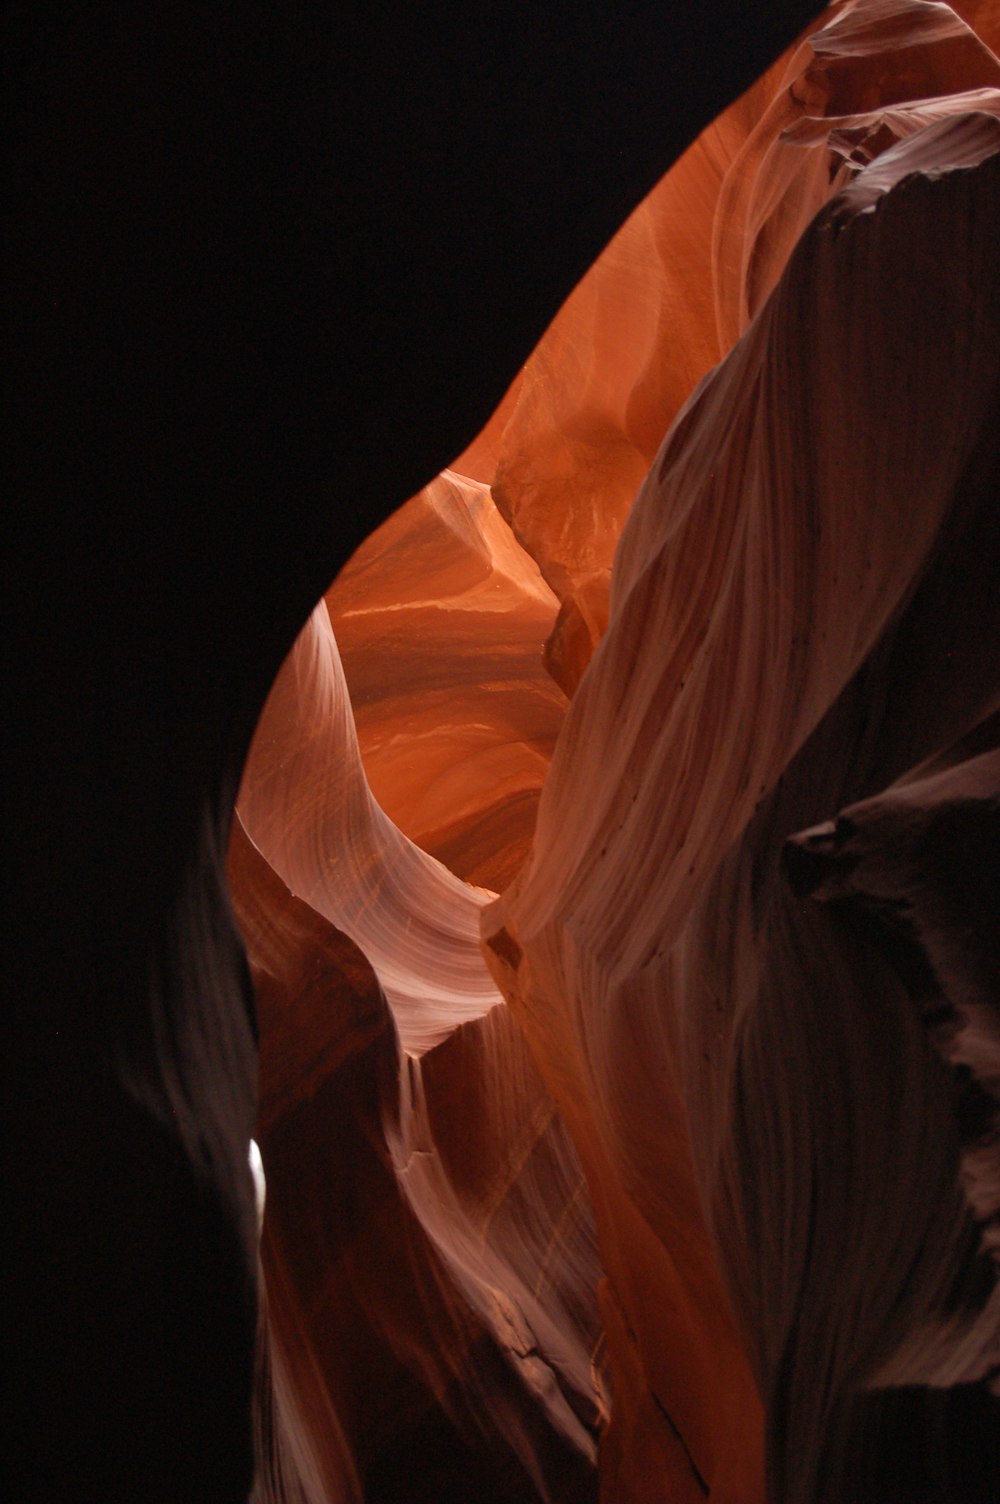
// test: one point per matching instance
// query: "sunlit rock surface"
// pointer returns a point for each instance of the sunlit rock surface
(412, 1302)
(797, 608)
(306, 805)
(690, 1178)
(427, 1225)
(439, 619)
(681, 280)
(269, 270)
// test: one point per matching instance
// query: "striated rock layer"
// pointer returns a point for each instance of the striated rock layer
(798, 607)
(269, 271)
(686, 1184)
(679, 283)
(718, 1181)
(383, 1342)
(439, 617)
(428, 1247)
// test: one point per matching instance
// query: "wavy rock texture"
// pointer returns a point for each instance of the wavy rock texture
(737, 1127)
(439, 618)
(683, 277)
(272, 267)
(814, 528)
(872, 75)
(377, 1349)
(606, 381)
(428, 1246)
(305, 803)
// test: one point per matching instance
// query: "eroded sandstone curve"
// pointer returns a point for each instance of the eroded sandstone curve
(692, 1055)
(785, 570)
(305, 803)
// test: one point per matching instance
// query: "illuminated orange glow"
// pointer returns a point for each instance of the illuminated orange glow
(606, 1179)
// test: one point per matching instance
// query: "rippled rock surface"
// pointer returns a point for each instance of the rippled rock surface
(616, 855)
(771, 1042)
(795, 1196)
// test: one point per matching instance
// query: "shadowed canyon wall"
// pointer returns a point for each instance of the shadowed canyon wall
(615, 857)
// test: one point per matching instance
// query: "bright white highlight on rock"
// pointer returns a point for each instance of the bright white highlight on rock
(259, 1183)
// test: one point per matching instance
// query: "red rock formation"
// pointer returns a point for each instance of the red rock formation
(452, 1262)
(733, 1137)
(691, 1016)
(682, 278)
(779, 1281)
(218, 224)
(382, 1342)
(439, 618)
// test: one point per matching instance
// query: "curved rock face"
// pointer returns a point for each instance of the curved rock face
(305, 804)
(455, 1268)
(741, 1069)
(793, 1187)
(684, 1184)
(438, 618)
(683, 277)
(397, 1360)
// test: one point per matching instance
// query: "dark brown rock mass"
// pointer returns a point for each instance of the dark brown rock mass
(598, 932)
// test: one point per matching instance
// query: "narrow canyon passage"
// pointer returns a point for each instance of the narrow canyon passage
(598, 933)
(672, 1207)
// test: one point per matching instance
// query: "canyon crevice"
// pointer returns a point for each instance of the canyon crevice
(606, 898)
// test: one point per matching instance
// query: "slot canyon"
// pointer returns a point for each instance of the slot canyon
(504, 772)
